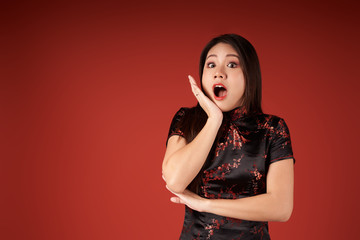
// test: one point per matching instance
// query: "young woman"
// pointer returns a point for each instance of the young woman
(227, 161)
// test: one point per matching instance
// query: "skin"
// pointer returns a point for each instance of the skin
(223, 66)
(183, 160)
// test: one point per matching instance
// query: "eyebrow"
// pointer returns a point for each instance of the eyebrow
(228, 55)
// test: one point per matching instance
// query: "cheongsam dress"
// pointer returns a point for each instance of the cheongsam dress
(237, 169)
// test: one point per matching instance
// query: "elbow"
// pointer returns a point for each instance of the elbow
(284, 214)
(175, 188)
(172, 182)
(281, 209)
(284, 217)
(174, 185)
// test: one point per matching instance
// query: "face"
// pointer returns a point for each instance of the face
(223, 79)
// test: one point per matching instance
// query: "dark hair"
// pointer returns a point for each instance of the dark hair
(195, 117)
(249, 64)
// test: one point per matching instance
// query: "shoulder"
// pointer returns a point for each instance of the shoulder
(276, 127)
(183, 110)
(271, 121)
(275, 119)
(181, 113)
(271, 118)
(187, 112)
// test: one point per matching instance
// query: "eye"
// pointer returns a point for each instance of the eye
(232, 65)
(211, 65)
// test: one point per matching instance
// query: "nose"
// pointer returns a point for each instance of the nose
(219, 74)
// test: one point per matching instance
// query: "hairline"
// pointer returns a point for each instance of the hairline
(228, 55)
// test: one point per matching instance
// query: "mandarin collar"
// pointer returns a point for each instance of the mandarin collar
(236, 113)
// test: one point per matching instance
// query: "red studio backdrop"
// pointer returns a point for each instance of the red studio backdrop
(88, 90)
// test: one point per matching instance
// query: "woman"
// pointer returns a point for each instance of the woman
(223, 156)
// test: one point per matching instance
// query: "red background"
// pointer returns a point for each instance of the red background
(88, 90)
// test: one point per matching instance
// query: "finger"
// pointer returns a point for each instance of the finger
(192, 84)
(191, 194)
(195, 89)
(192, 80)
(177, 200)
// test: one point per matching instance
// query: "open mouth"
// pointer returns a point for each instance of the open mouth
(220, 91)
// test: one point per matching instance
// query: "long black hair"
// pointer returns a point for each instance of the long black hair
(195, 117)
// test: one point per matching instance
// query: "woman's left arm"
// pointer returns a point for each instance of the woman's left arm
(274, 205)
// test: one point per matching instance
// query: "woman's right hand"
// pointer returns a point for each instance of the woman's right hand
(211, 109)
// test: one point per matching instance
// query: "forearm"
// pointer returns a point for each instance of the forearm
(263, 207)
(181, 167)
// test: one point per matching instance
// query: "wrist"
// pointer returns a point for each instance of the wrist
(215, 120)
(206, 205)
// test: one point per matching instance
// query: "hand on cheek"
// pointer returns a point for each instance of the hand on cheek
(211, 109)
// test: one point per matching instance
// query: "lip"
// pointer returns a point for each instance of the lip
(216, 97)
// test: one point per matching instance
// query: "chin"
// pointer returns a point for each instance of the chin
(224, 108)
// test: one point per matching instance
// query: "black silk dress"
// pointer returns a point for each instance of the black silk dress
(237, 169)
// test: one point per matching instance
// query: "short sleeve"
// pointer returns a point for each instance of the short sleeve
(280, 143)
(174, 126)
